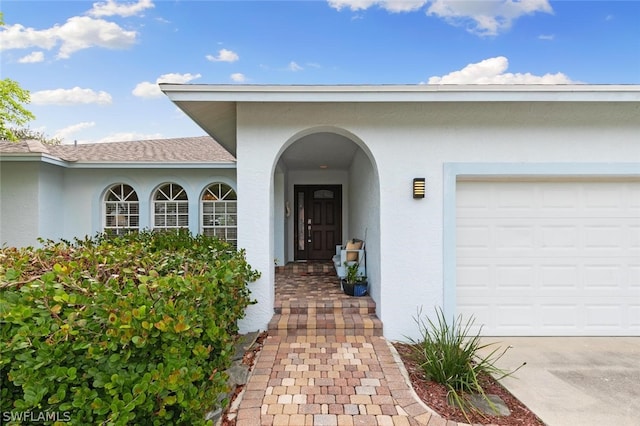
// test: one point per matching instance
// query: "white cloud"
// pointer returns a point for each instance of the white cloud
(147, 90)
(294, 67)
(20, 37)
(152, 90)
(492, 71)
(111, 8)
(238, 77)
(395, 6)
(129, 136)
(73, 96)
(546, 37)
(487, 17)
(32, 58)
(354, 5)
(66, 132)
(79, 32)
(224, 55)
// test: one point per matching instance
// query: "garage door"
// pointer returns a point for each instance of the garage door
(549, 257)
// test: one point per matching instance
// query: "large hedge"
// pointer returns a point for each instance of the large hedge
(120, 330)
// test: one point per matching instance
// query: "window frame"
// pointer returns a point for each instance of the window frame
(126, 209)
(219, 212)
(175, 207)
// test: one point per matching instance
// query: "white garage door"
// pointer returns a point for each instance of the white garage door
(549, 257)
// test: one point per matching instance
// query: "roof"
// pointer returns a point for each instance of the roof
(214, 107)
(201, 150)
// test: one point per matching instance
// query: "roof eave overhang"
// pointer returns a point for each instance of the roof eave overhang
(151, 165)
(213, 107)
(33, 157)
(43, 158)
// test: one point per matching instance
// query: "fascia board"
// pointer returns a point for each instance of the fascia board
(395, 93)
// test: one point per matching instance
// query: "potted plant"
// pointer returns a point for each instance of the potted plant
(354, 283)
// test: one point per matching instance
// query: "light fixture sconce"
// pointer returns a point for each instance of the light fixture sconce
(418, 187)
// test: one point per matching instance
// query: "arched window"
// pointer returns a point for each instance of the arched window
(121, 210)
(220, 212)
(170, 207)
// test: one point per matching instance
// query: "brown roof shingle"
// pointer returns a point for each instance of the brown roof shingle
(201, 149)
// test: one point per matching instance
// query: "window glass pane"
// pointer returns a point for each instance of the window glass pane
(121, 209)
(215, 218)
(301, 225)
(323, 194)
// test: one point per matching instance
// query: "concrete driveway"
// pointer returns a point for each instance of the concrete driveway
(576, 380)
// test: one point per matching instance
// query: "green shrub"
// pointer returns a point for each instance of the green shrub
(120, 330)
(449, 354)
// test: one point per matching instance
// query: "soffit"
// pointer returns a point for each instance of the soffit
(218, 119)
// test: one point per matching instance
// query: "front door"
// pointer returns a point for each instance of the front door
(318, 221)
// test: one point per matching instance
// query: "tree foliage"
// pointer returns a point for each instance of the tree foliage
(12, 110)
(29, 134)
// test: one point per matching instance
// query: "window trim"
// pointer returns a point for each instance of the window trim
(220, 198)
(125, 201)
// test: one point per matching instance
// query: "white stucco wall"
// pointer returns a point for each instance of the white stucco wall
(67, 203)
(51, 207)
(19, 208)
(417, 140)
(363, 208)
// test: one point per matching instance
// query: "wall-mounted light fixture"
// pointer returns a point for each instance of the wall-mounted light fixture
(418, 187)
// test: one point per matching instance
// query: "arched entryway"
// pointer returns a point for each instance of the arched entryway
(326, 191)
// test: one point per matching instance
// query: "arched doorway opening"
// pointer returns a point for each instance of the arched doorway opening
(326, 191)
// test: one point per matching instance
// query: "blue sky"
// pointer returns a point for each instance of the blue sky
(92, 67)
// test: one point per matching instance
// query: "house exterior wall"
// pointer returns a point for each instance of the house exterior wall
(19, 205)
(408, 140)
(51, 201)
(51, 205)
(363, 211)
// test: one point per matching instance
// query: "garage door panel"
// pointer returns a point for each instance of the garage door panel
(601, 316)
(475, 277)
(549, 258)
(560, 317)
(633, 314)
(633, 237)
(514, 277)
(559, 277)
(559, 236)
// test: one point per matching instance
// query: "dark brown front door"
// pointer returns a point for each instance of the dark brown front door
(318, 221)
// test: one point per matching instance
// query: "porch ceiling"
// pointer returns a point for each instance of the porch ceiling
(320, 150)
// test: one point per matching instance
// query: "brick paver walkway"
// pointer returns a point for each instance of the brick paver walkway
(322, 373)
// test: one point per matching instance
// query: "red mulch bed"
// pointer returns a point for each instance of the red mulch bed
(434, 395)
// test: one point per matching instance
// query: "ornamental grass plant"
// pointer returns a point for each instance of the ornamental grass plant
(449, 353)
